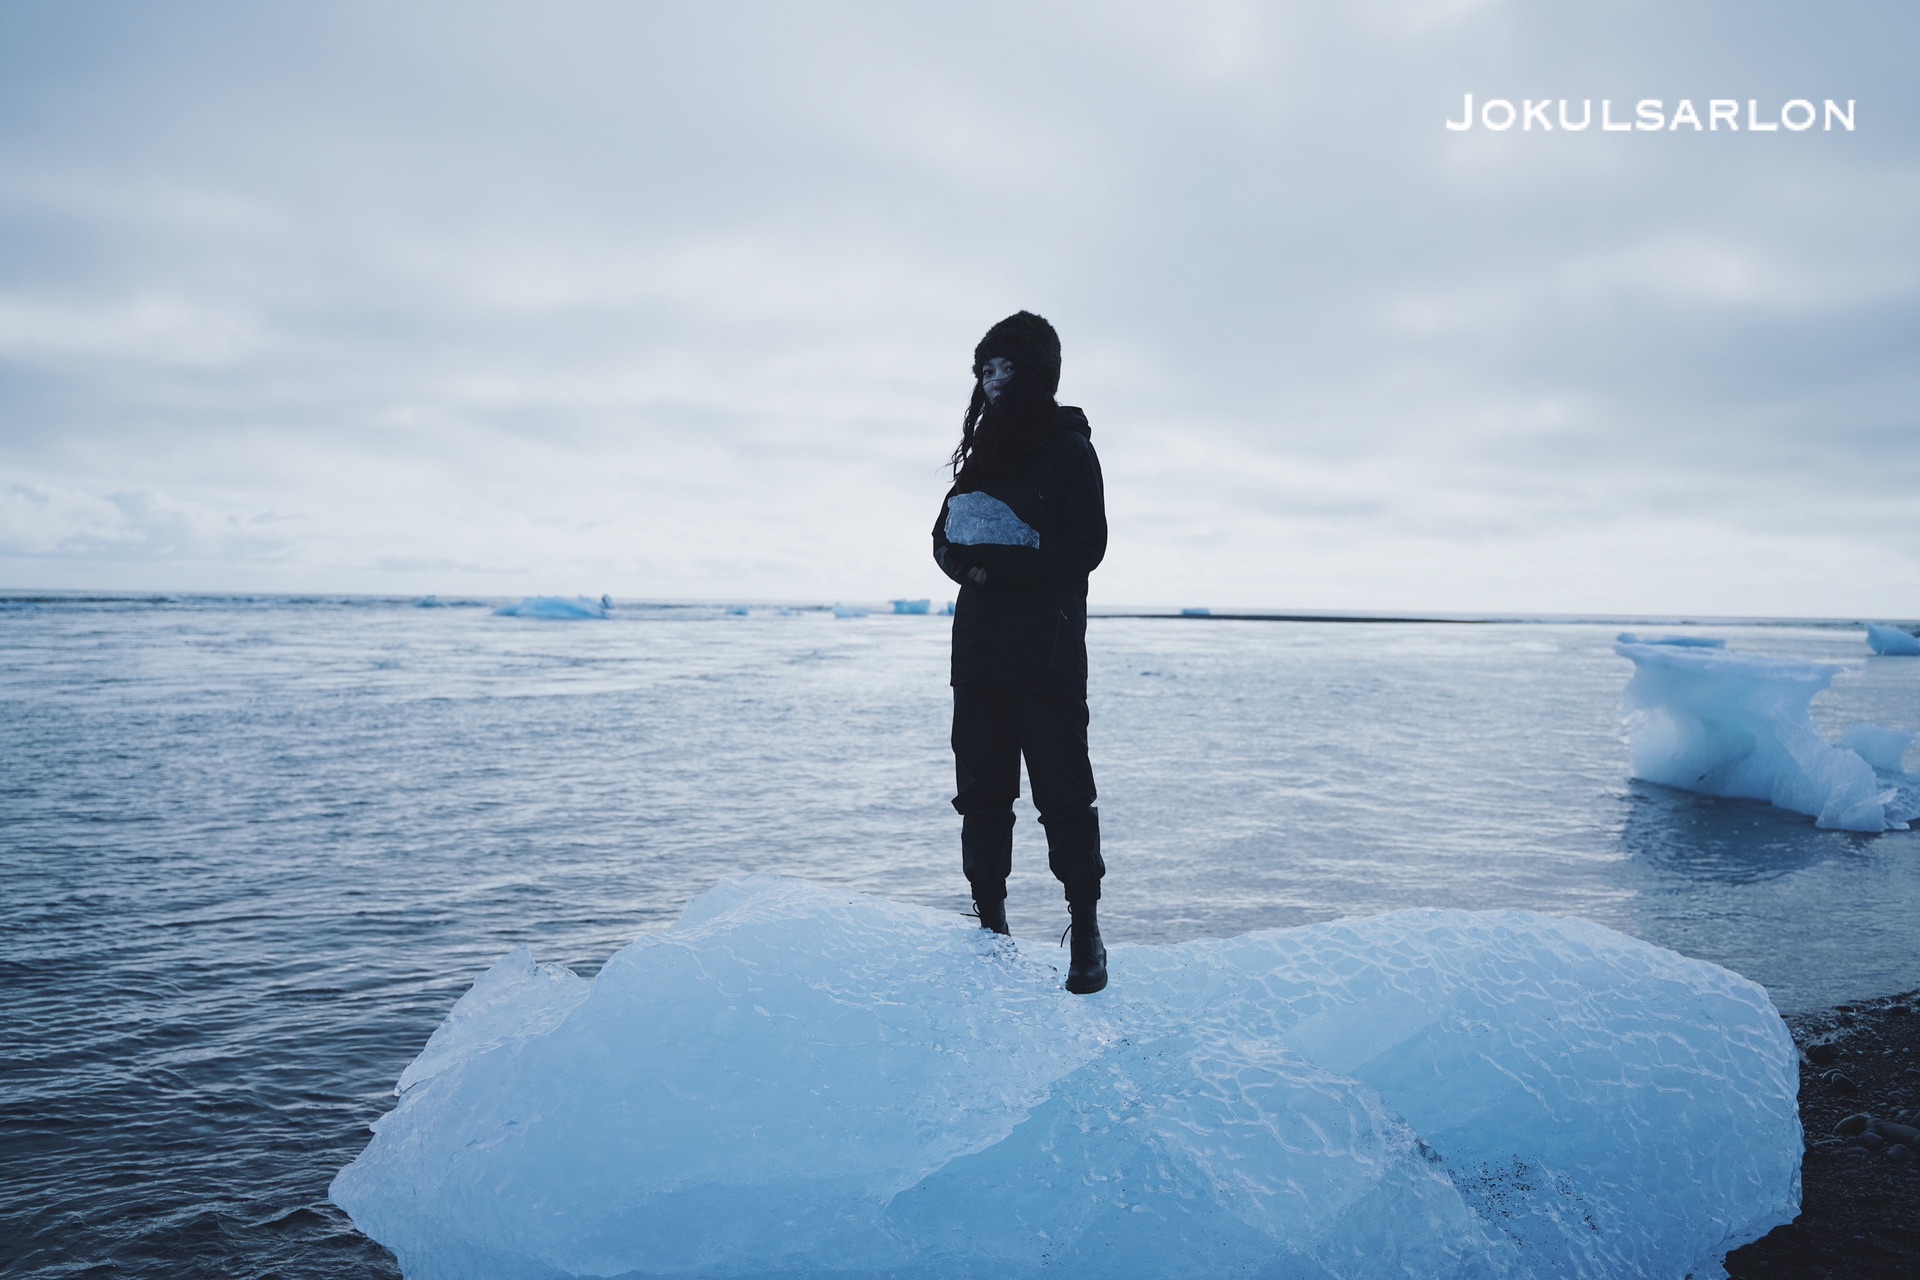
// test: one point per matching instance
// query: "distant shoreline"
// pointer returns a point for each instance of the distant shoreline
(880, 609)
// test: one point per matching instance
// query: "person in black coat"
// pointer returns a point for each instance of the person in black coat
(1022, 527)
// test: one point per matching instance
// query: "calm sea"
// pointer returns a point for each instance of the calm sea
(252, 850)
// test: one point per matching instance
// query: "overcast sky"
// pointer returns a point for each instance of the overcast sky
(678, 301)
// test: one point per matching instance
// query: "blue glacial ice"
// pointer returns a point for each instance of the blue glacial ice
(1731, 724)
(1892, 641)
(796, 1081)
(1884, 749)
(979, 519)
(1678, 642)
(556, 608)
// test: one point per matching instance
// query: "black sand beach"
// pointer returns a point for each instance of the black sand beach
(1860, 1202)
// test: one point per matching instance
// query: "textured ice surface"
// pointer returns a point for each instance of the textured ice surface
(793, 1081)
(1731, 724)
(555, 608)
(1891, 640)
(974, 519)
(515, 999)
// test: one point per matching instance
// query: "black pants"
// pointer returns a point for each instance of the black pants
(992, 730)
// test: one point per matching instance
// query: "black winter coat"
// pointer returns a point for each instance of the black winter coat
(1026, 630)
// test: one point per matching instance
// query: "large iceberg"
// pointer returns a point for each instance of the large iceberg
(794, 1081)
(1735, 724)
(1892, 641)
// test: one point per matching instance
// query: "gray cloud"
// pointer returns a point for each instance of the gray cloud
(678, 301)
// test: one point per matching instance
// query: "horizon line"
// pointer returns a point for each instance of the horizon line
(46, 595)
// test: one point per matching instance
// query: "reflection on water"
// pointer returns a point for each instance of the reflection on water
(1736, 842)
(1814, 916)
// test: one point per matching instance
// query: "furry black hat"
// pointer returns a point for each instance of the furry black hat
(1030, 342)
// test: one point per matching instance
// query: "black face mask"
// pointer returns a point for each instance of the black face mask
(1020, 400)
(1008, 433)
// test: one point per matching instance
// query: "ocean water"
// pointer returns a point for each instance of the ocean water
(254, 849)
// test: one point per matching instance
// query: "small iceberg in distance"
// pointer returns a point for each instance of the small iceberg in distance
(737, 611)
(1892, 641)
(848, 611)
(1678, 642)
(429, 602)
(557, 608)
(911, 606)
(1737, 725)
(797, 1081)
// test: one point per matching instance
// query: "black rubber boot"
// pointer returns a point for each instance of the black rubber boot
(1087, 963)
(993, 915)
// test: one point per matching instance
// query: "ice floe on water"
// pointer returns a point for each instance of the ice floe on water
(1734, 724)
(795, 1081)
(557, 608)
(1892, 641)
(1678, 642)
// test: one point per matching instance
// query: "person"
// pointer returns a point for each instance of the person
(1023, 525)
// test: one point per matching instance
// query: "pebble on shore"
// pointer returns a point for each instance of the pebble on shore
(1860, 1175)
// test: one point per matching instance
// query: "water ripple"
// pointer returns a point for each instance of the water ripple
(254, 850)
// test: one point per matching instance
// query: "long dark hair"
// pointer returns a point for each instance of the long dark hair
(996, 438)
